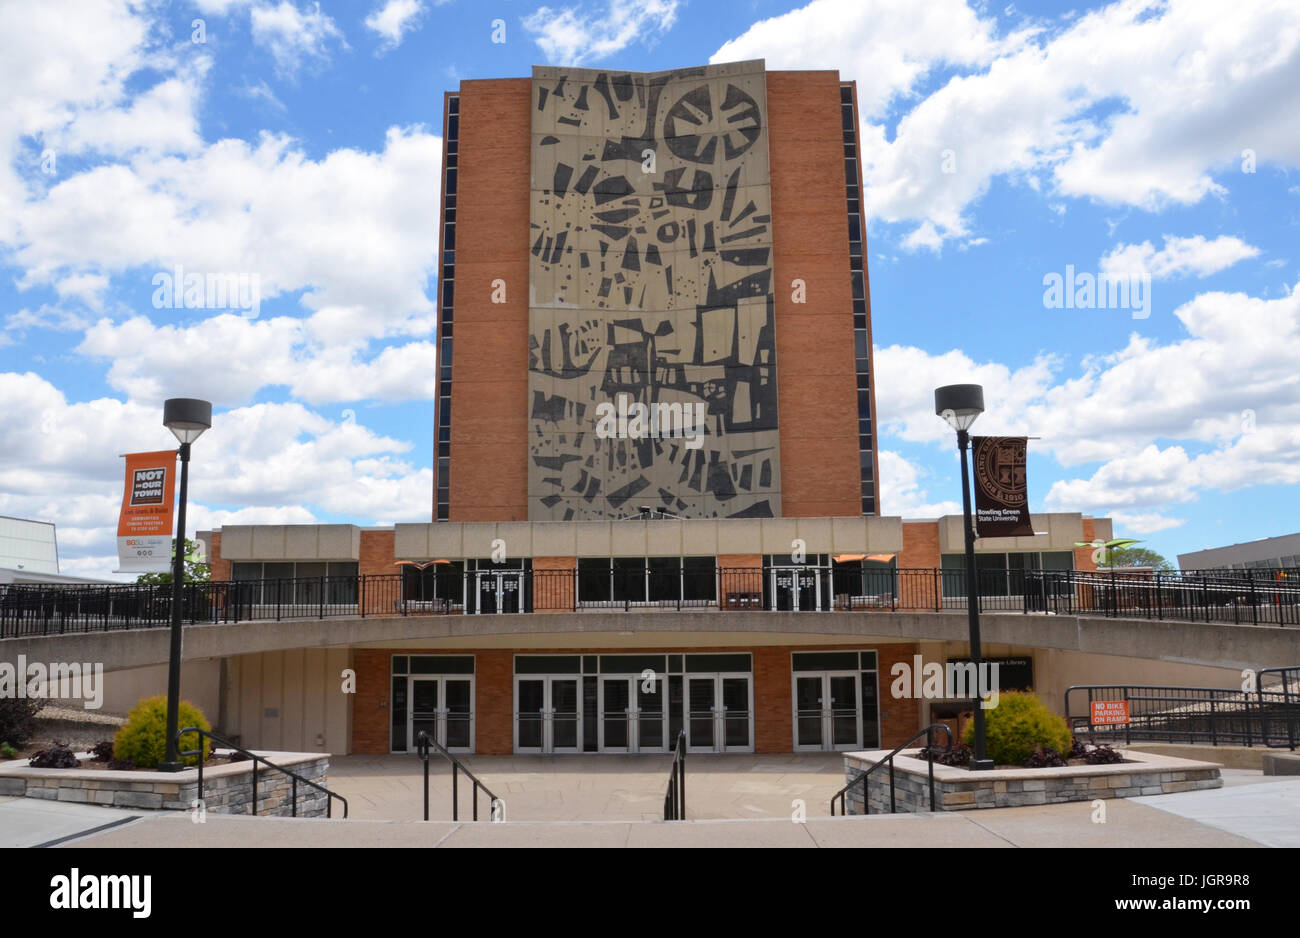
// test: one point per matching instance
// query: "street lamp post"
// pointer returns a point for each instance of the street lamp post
(959, 405)
(187, 418)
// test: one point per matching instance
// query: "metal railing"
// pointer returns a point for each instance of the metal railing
(675, 797)
(1268, 715)
(423, 743)
(1281, 685)
(928, 733)
(1191, 595)
(294, 777)
(28, 610)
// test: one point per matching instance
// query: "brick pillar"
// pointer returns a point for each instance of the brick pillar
(917, 561)
(554, 583)
(1083, 555)
(773, 726)
(218, 567)
(741, 574)
(377, 559)
(900, 716)
(494, 704)
(371, 713)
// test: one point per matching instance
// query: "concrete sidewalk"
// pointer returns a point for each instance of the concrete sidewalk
(31, 822)
(591, 788)
(1069, 825)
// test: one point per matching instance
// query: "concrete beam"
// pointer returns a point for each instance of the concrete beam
(1210, 644)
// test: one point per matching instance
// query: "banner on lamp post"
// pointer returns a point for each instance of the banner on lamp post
(144, 528)
(1001, 491)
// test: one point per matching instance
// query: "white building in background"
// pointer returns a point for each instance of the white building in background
(29, 547)
(1269, 553)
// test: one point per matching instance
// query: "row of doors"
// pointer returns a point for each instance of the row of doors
(793, 589)
(717, 712)
(633, 716)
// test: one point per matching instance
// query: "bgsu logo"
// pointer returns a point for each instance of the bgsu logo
(147, 486)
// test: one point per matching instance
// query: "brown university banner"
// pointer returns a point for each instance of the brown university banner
(1001, 494)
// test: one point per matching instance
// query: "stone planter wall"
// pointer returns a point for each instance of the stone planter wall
(960, 789)
(227, 789)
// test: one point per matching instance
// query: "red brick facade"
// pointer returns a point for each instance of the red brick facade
(816, 384)
(495, 694)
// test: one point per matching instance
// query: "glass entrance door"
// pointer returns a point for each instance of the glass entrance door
(626, 726)
(497, 592)
(826, 712)
(615, 714)
(548, 714)
(423, 694)
(719, 713)
(795, 589)
(443, 707)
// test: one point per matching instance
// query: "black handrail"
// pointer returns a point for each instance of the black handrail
(675, 797)
(928, 733)
(28, 610)
(295, 778)
(1268, 715)
(423, 742)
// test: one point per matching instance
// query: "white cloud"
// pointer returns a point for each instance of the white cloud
(901, 491)
(571, 36)
(1179, 257)
(393, 20)
(294, 37)
(271, 463)
(1217, 410)
(1150, 523)
(889, 46)
(1138, 103)
(352, 230)
(925, 236)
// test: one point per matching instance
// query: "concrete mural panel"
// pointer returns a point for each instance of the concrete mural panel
(652, 353)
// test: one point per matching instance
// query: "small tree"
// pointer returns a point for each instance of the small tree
(1137, 557)
(196, 569)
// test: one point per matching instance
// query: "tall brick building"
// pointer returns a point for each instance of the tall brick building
(655, 449)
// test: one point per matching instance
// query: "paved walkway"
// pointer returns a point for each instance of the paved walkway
(1127, 825)
(591, 788)
(733, 801)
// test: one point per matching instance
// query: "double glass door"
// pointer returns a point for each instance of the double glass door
(826, 712)
(548, 713)
(632, 714)
(719, 712)
(443, 707)
(497, 592)
(796, 589)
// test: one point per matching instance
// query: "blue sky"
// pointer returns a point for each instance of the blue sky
(300, 143)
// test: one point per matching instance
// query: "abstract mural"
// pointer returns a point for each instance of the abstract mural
(652, 354)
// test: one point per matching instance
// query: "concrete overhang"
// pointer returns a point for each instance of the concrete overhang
(1208, 644)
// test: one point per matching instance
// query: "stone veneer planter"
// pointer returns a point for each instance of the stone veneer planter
(958, 789)
(227, 788)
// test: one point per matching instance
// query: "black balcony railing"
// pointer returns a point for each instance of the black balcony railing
(28, 610)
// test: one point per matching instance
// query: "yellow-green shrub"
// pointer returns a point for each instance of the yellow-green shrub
(1018, 725)
(143, 738)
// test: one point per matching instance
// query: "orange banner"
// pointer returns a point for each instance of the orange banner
(144, 528)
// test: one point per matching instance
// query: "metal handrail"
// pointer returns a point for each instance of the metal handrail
(294, 776)
(928, 733)
(28, 610)
(423, 742)
(675, 797)
(1266, 716)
